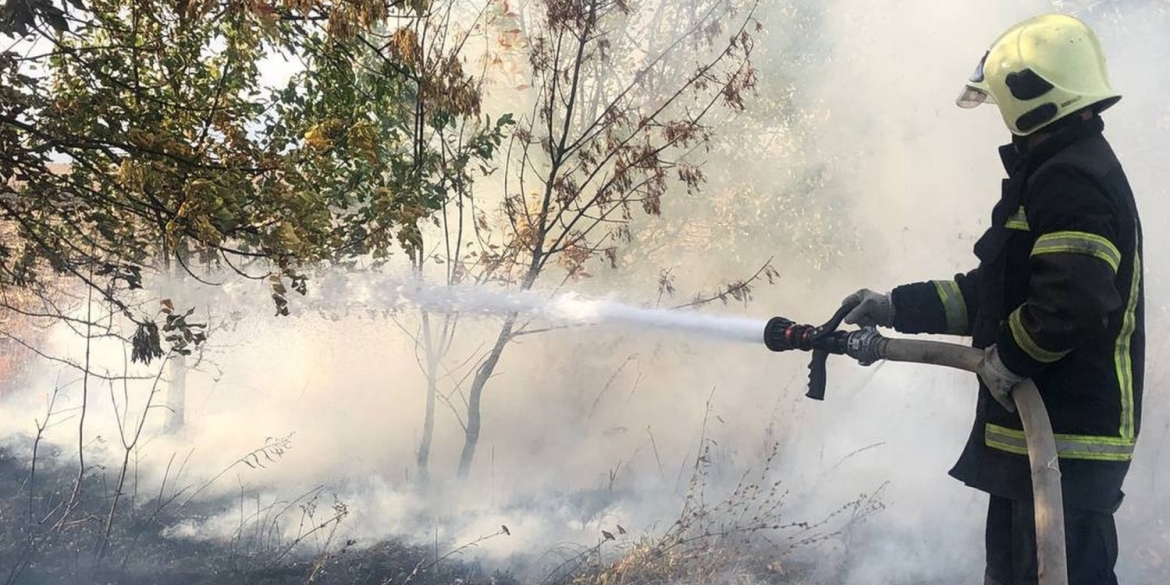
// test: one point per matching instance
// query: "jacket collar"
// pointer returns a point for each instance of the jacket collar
(1017, 155)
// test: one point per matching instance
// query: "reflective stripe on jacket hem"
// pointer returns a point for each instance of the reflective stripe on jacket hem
(1091, 447)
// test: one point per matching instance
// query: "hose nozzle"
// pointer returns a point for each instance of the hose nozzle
(865, 345)
(780, 334)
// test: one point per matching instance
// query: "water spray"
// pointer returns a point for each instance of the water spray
(567, 309)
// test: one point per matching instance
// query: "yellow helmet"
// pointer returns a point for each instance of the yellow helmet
(1039, 71)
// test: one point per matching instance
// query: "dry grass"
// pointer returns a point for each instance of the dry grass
(745, 537)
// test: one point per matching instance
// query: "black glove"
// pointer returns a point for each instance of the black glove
(873, 309)
(998, 378)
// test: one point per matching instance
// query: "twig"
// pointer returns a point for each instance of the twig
(41, 426)
(128, 447)
(76, 496)
(422, 568)
(733, 288)
(608, 383)
(252, 459)
(340, 512)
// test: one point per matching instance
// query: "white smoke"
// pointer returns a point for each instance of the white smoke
(589, 427)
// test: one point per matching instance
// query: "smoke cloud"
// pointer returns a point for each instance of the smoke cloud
(588, 428)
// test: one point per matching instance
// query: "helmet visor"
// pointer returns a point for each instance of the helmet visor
(972, 97)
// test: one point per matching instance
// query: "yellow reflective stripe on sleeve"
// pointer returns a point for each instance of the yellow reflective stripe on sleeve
(1122, 358)
(1029, 345)
(954, 306)
(1078, 243)
(1018, 221)
(1091, 447)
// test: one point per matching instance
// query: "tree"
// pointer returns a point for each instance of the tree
(179, 154)
(141, 139)
(446, 155)
(618, 117)
(773, 187)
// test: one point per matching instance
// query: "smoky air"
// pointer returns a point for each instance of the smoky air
(476, 292)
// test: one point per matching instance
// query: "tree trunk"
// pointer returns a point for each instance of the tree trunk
(176, 395)
(471, 436)
(424, 448)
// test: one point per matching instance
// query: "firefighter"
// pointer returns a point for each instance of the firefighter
(1057, 297)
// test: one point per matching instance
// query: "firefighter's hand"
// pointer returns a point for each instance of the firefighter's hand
(872, 309)
(998, 378)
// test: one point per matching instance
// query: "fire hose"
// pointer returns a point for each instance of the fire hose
(867, 346)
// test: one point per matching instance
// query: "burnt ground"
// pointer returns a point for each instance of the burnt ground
(44, 541)
(43, 544)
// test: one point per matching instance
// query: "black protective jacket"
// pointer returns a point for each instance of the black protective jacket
(1059, 291)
